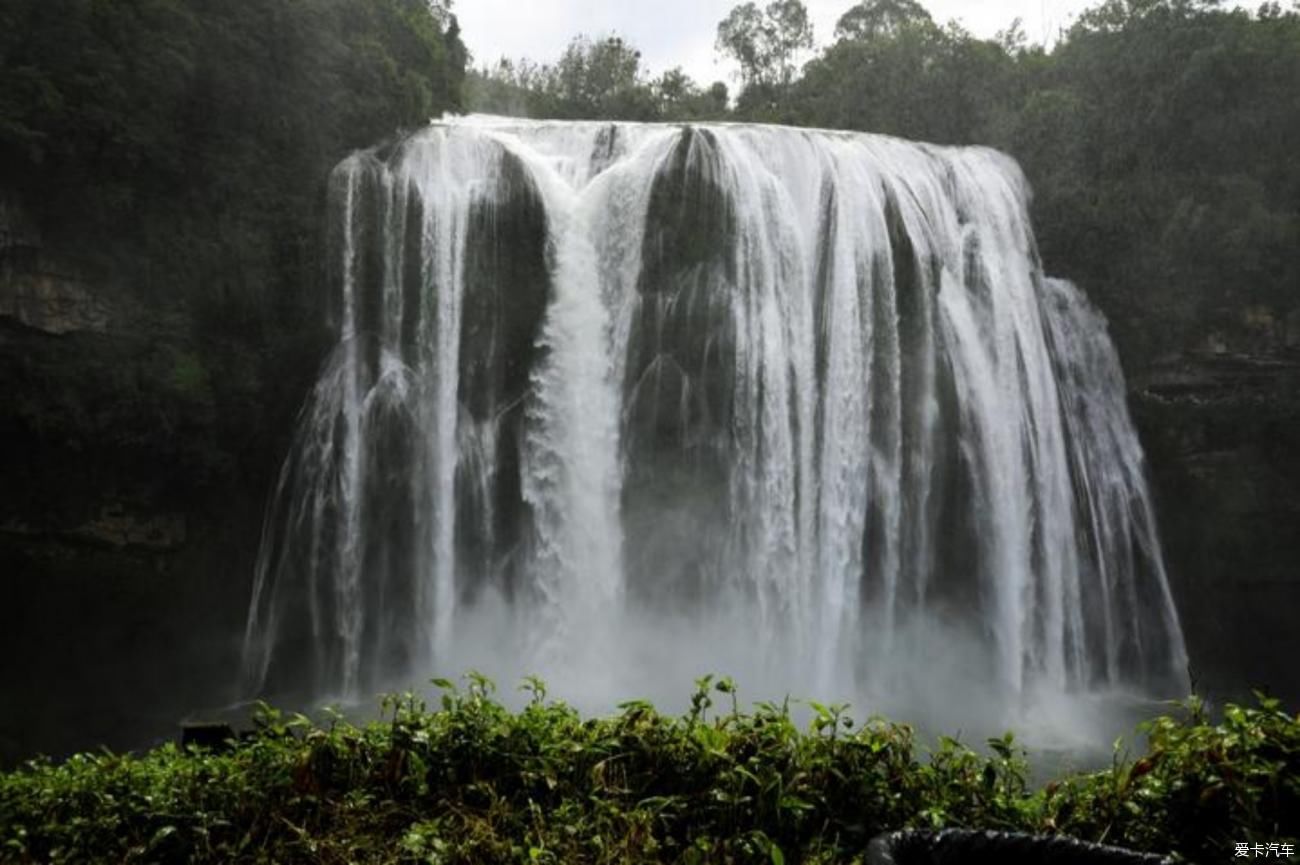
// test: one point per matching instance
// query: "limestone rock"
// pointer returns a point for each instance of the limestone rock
(119, 527)
(33, 292)
(51, 302)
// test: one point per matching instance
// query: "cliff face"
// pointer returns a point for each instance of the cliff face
(1221, 426)
(135, 454)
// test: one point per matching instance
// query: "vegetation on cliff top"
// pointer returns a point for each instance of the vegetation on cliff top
(182, 146)
(473, 782)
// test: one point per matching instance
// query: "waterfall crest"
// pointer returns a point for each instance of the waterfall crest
(807, 389)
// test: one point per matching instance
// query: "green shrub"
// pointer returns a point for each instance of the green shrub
(473, 782)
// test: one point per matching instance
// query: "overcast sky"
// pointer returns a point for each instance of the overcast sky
(681, 32)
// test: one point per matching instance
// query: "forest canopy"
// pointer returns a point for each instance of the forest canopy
(184, 144)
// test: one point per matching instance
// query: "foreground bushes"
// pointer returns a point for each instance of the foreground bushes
(474, 782)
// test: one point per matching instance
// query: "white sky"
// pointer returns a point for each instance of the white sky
(681, 32)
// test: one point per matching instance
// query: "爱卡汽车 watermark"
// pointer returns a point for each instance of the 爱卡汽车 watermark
(1265, 851)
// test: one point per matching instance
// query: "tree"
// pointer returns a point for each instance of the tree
(875, 19)
(740, 35)
(600, 79)
(1112, 16)
(678, 97)
(766, 42)
(675, 92)
(1013, 40)
(718, 98)
(790, 32)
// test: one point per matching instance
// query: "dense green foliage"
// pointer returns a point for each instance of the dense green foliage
(1159, 136)
(183, 145)
(593, 79)
(1156, 138)
(474, 782)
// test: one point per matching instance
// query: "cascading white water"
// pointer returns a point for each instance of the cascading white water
(799, 392)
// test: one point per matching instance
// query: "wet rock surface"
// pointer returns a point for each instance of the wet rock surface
(1222, 434)
(136, 450)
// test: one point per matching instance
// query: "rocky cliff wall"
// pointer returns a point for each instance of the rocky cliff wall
(136, 450)
(1221, 427)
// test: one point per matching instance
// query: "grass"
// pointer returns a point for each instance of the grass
(472, 782)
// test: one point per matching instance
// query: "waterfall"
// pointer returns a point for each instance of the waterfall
(801, 392)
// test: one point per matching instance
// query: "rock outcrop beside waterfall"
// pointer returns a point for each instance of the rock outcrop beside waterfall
(138, 449)
(1222, 433)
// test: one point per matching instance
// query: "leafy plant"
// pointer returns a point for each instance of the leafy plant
(474, 782)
